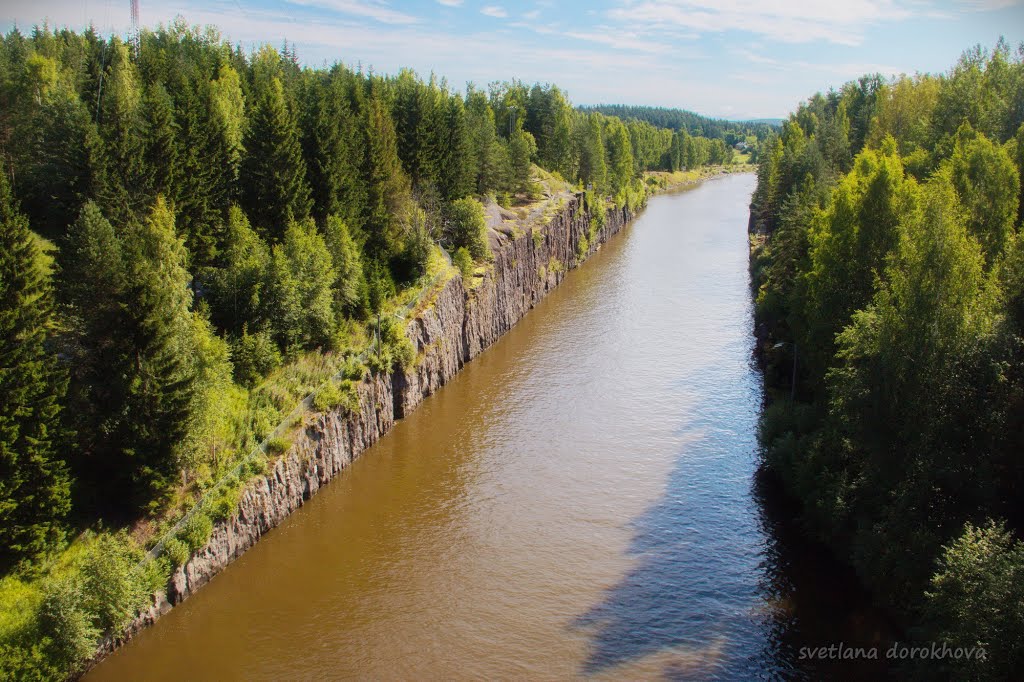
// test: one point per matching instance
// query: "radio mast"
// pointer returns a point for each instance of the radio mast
(134, 35)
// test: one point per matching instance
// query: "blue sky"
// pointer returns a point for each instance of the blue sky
(728, 58)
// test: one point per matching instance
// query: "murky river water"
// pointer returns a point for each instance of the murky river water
(578, 502)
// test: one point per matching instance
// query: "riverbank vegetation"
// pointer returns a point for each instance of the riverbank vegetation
(888, 264)
(194, 240)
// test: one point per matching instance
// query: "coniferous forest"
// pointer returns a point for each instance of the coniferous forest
(888, 264)
(194, 238)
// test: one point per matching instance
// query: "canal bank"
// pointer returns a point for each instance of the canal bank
(455, 324)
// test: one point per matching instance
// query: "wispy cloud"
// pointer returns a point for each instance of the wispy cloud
(990, 5)
(494, 11)
(843, 23)
(377, 11)
(450, 3)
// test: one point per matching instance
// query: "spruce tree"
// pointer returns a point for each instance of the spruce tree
(161, 148)
(160, 390)
(34, 484)
(92, 283)
(386, 182)
(275, 192)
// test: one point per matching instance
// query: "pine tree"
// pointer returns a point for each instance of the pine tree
(273, 173)
(34, 484)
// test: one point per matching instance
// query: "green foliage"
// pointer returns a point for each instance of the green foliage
(468, 227)
(902, 292)
(275, 192)
(464, 262)
(196, 530)
(70, 635)
(327, 397)
(278, 446)
(34, 486)
(177, 551)
(254, 356)
(988, 186)
(113, 587)
(977, 599)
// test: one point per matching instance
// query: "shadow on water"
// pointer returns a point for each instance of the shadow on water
(724, 584)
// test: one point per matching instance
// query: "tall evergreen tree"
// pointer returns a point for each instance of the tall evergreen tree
(160, 390)
(275, 192)
(34, 484)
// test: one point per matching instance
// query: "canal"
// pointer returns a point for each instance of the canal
(579, 502)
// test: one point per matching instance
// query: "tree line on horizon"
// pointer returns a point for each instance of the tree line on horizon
(730, 132)
(888, 265)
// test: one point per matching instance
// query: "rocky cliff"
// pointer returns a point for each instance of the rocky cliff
(457, 326)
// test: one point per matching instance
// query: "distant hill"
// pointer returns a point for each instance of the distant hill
(693, 123)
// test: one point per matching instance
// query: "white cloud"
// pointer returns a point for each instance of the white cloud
(450, 3)
(532, 14)
(377, 11)
(791, 22)
(990, 5)
(494, 11)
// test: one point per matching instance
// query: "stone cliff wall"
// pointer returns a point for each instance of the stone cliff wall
(455, 328)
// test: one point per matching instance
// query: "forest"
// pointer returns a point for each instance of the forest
(194, 238)
(888, 265)
(731, 132)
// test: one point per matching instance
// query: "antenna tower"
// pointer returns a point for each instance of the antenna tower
(134, 36)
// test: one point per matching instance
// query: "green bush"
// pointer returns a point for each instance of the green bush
(464, 262)
(582, 248)
(226, 502)
(977, 599)
(278, 445)
(196, 531)
(114, 587)
(353, 370)
(538, 238)
(257, 466)
(254, 357)
(327, 397)
(177, 552)
(63, 621)
(468, 227)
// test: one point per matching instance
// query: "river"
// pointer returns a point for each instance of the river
(580, 501)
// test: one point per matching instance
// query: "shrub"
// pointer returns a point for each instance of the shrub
(327, 397)
(468, 227)
(66, 624)
(196, 531)
(538, 238)
(278, 445)
(582, 248)
(114, 587)
(257, 466)
(226, 502)
(254, 357)
(464, 262)
(177, 552)
(977, 599)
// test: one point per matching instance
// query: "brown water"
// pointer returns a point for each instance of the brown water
(578, 502)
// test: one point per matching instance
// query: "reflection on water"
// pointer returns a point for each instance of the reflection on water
(579, 501)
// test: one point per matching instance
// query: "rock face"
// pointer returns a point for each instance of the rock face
(457, 327)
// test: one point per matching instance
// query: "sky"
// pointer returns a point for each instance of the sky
(735, 59)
